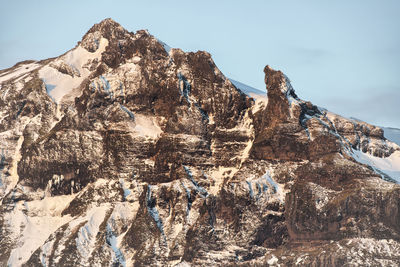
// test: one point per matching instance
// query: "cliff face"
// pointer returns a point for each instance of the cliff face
(124, 151)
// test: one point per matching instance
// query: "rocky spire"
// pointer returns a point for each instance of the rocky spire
(279, 92)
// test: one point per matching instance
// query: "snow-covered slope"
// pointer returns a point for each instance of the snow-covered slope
(387, 167)
(66, 73)
(18, 72)
(250, 91)
(368, 146)
(260, 97)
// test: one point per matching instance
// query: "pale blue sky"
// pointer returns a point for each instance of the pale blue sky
(342, 55)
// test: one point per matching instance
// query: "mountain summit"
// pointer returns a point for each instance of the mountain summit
(125, 152)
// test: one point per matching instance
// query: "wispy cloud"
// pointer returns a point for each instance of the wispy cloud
(380, 106)
(305, 55)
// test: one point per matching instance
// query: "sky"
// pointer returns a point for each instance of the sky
(341, 55)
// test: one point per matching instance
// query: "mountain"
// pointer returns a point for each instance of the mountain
(126, 152)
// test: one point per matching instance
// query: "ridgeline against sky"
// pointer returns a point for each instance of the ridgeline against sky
(342, 55)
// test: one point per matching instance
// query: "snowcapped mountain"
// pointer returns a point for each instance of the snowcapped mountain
(126, 152)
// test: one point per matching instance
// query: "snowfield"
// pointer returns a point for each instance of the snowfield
(389, 165)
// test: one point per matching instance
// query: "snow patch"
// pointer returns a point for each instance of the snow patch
(31, 223)
(21, 70)
(298, 261)
(14, 178)
(248, 90)
(64, 84)
(184, 87)
(250, 189)
(189, 199)
(265, 186)
(111, 239)
(146, 126)
(86, 240)
(130, 113)
(126, 190)
(203, 193)
(45, 253)
(389, 165)
(167, 48)
(52, 206)
(322, 195)
(151, 208)
(273, 260)
(219, 175)
(278, 189)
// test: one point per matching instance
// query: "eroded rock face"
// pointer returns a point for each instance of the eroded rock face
(137, 154)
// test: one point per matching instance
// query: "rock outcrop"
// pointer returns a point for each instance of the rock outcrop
(125, 152)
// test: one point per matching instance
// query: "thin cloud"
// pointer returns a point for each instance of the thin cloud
(309, 55)
(378, 107)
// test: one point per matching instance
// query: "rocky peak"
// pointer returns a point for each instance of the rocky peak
(106, 22)
(108, 29)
